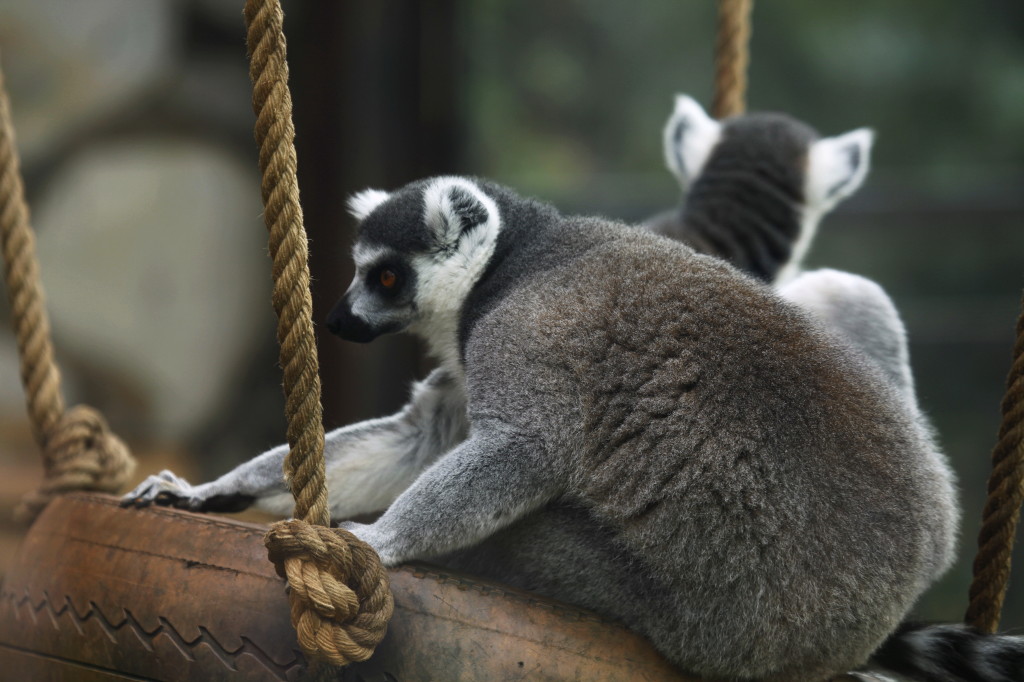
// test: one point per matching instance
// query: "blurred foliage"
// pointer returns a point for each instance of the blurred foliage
(562, 91)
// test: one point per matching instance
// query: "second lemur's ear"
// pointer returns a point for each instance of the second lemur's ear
(361, 204)
(689, 137)
(837, 166)
(453, 207)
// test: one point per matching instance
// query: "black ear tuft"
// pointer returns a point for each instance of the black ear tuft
(453, 207)
(466, 209)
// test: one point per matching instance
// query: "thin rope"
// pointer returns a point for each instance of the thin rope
(341, 601)
(732, 56)
(1003, 506)
(79, 451)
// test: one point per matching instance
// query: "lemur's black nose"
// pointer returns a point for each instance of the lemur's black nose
(335, 319)
(342, 322)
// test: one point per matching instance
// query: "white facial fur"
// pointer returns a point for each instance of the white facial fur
(445, 278)
(689, 137)
(366, 256)
(836, 168)
(361, 204)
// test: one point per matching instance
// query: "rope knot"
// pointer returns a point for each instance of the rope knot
(340, 593)
(80, 452)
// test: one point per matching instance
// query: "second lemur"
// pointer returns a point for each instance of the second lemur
(756, 186)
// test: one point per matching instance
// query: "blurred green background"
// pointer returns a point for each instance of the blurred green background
(135, 128)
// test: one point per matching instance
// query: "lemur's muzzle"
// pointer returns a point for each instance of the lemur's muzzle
(344, 323)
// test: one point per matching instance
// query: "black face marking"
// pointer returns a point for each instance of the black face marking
(342, 322)
(404, 277)
(398, 222)
(853, 155)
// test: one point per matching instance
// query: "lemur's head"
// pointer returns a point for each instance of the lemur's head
(418, 252)
(823, 171)
(770, 165)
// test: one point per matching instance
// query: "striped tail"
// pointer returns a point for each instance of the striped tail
(950, 653)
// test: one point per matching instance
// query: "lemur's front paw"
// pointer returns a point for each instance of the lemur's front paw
(166, 489)
(372, 536)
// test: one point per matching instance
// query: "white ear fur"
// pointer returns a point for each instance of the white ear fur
(361, 204)
(689, 137)
(837, 166)
(466, 223)
(452, 206)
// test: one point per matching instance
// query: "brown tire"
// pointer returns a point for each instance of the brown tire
(102, 593)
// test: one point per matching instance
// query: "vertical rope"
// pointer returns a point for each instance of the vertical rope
(39, 374)
(275, 133)
(1002, 508)
(340, 596)
(79, 451)
(732, 56)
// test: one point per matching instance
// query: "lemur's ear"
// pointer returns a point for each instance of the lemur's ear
(361, 204)
(837, 166)
(454, 207)
(689, 137)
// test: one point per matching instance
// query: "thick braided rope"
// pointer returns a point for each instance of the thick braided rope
(334, 622)
(732, 56)
(79, 451)
(272, 103)
(334, 577)
(1005, 497)
(81, 454)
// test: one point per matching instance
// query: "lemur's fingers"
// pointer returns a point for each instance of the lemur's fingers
(164, 488)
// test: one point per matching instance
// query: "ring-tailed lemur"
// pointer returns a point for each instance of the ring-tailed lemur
(755, 187)
(650, 434)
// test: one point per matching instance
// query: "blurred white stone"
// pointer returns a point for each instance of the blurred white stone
(153, 255)
(68, 64)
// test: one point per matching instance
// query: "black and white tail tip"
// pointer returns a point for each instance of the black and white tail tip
(950, 653)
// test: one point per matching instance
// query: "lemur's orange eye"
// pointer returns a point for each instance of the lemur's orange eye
(388, 278)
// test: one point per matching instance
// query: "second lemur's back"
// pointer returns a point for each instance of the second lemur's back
(755, 186)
